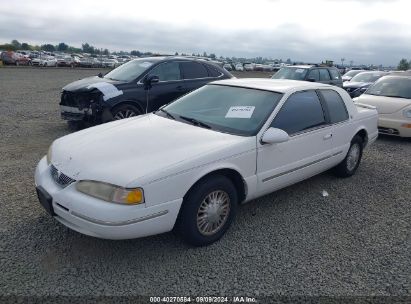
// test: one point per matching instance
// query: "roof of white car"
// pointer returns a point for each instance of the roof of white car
(275, 85)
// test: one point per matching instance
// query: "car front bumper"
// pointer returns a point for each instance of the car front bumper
(102, 219)
(394, 124)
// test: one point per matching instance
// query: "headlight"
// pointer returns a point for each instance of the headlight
(407, 113)
(111, 193)
(49, 155)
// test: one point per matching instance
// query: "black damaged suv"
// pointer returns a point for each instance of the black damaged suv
(136, 87)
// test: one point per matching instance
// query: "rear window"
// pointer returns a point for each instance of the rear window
(335, 105)
(193, 70)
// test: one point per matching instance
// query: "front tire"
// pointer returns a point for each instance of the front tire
(125, 111)
(208, 211)
(351, 162)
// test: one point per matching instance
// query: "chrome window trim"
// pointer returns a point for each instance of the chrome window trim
(182, 79)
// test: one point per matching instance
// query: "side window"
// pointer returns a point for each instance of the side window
(314, 74)
(300, 112)
(213, 72)
(324, 75)
(168, 71)
(193, 70)
(335, 105)
(335, 75)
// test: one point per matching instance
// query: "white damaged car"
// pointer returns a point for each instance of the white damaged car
(192, 162)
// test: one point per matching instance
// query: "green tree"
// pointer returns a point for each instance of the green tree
(403, 65)
(62, 47)
(48, 47)
(212, 56)
(8, 47)
(135, 53)
(16, 44)
(106, 52)
(25, 46)
(87, 48)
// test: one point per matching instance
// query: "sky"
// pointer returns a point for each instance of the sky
(362, 31)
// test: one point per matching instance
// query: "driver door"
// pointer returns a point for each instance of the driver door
(169, 87)
(306, 153)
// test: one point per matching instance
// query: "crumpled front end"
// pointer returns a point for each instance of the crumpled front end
(77, 106)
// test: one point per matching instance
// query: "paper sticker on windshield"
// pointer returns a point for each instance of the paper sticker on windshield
(145, 64)
(299, 70)
(108, 90)
(240, 112)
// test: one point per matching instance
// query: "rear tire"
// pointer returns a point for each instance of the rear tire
(207, 211)
(350, 164)
(123, 111)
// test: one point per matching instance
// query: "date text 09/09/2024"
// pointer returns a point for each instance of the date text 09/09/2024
(209, 299)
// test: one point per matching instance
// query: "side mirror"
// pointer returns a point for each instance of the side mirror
(149, 80)
(274, 136)
(311, 79)
(100, 75)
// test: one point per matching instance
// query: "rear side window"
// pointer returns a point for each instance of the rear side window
(335, 104)
(314, 74)
(335, 75)
(193, 70)
(213, 72)
(324, 75)
(302, 111)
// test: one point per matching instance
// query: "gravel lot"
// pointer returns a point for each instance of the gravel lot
(355, 242)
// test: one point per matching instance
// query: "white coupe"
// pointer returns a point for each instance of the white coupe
(188, 165)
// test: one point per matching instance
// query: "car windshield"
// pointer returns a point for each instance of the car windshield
(352, 73)
(294, 73)
(130, 70)
(235, 110)
(366, 77)
(391, 87)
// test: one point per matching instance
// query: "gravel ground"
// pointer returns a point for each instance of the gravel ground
(355, 242)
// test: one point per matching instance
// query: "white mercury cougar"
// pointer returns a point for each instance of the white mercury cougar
(190, 164)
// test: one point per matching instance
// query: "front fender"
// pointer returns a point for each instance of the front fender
(177, 185)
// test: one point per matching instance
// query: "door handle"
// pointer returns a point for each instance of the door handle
(179, 88)
(328, 136)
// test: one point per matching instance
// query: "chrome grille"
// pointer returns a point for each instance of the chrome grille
(60, 178)
(389, 131)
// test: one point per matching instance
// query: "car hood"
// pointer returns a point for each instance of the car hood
(384, 105)
(142, 149)
(356, 84)
(82, 84)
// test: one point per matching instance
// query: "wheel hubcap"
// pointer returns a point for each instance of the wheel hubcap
(213, 212)
(124, 114)
(353, 157)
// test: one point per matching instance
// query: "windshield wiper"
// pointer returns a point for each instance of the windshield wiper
(167, 113)
(195, 122)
